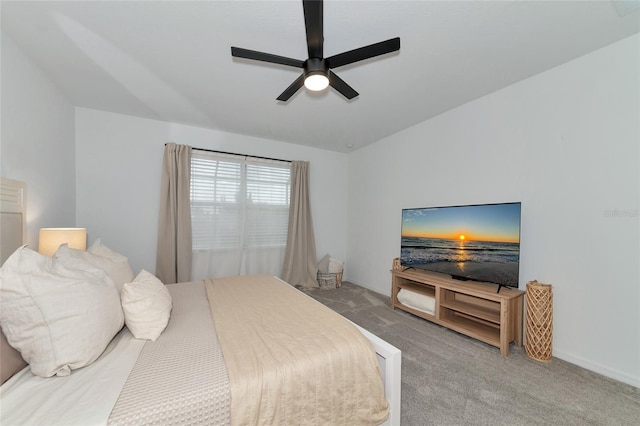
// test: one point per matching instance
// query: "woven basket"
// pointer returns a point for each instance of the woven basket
(396, 264)
(539, 321)
(328, 281)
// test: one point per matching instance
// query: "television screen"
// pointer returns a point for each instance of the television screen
(475, 242)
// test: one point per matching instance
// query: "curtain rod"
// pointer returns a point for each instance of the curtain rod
(242, 155)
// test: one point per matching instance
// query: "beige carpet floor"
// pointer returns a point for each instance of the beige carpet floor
(451, 379)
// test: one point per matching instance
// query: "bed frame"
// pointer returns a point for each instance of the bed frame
(13, 208)
(390, 360)
(13, 235)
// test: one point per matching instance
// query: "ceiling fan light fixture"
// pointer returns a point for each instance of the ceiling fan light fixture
(317, 74)
(316, 81)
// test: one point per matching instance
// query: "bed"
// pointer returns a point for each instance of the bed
(237, 350)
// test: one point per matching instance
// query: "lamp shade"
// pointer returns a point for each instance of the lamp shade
(52, 238)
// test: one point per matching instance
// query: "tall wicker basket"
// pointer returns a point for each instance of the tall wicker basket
(539, 334)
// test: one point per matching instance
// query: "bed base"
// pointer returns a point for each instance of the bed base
(390, 360)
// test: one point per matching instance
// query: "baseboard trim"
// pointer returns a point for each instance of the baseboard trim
(598, 368)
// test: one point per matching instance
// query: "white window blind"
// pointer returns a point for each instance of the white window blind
(239, 209)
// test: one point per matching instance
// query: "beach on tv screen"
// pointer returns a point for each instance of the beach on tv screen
(474, 242)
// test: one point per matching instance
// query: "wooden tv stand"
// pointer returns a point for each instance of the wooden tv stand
(468, 307)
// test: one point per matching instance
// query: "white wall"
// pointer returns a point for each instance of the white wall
(119, 163)
(566, 144)
(37, 141)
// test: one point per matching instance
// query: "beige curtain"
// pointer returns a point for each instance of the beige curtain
(300, 267)
(173, 261)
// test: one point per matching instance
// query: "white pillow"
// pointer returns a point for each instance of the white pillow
(81, 260)
(114, 264)
(119, 269)
(146, 303)
(335, 266)
(59, 318)
(323, 265)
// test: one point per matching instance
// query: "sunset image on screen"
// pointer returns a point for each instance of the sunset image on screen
(478, 242)
(495, 223)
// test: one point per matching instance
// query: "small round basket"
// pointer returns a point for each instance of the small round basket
(329, 281)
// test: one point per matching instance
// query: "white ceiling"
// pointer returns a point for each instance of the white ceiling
(171, 61)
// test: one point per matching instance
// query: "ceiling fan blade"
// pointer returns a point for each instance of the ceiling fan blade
(313, 23)
(293, 88)
(342, 87)
(265, 57)
(365, 52)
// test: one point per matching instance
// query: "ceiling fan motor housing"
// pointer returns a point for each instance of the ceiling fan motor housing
(316, 66)
(317, 71)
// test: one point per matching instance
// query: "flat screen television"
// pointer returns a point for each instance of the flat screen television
(474, 242)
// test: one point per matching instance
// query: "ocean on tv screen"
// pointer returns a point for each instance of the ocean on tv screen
(477, 242)
(494, 262)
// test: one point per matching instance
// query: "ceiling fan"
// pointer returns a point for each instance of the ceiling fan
(317, 74)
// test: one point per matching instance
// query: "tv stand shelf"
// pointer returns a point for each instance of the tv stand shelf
(468, 307)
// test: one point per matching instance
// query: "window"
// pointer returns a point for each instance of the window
(239, 214)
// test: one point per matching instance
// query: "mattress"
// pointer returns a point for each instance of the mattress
(234, 352)
(178, 379)
(85, 397)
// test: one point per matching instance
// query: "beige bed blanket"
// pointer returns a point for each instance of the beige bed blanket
(291, 360)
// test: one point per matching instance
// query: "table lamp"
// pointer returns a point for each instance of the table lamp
(52, 238)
